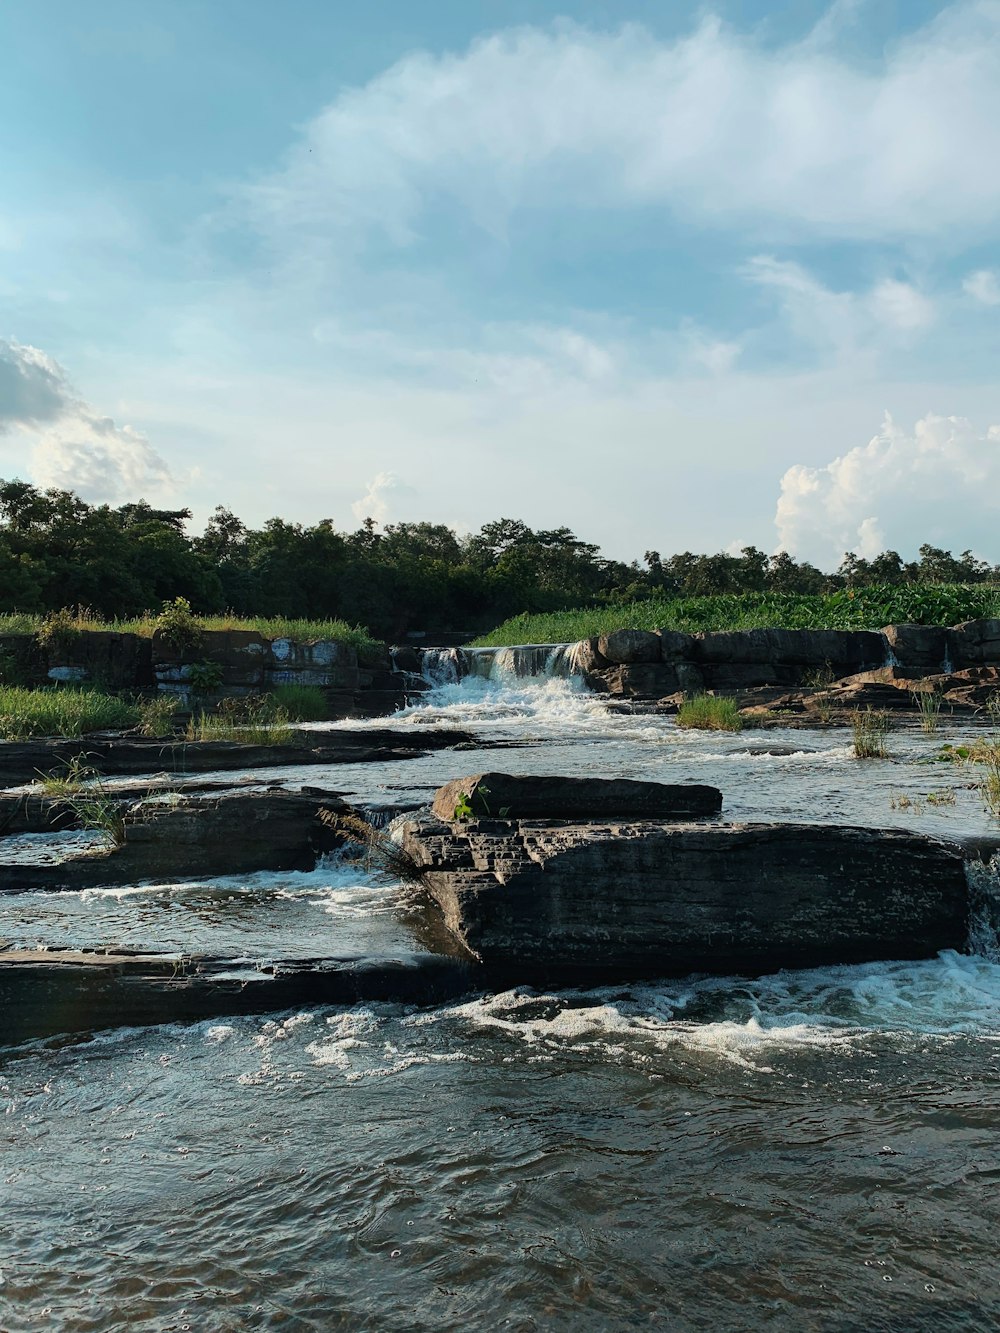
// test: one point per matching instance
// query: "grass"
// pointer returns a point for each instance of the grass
(61, 711)
(376, 849)
(870, 727)
(302, 703)
(863, 608)
(270, 728)
(80, 788)
(929, 705)
(271, 627)
(706, 712)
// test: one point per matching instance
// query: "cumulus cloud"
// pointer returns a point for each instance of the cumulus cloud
(938, 484)
(714, 126)
(375, 502)
(983, 286)
(72, 446)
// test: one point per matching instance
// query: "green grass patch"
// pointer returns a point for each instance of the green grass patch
(869, 729)
(862, 608)
(707, 712)
(302, 703)
(271, 627)
(61, 711)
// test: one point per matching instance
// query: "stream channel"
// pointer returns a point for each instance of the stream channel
(806, 1151)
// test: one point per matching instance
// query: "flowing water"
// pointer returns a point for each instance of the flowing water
(812, 1150)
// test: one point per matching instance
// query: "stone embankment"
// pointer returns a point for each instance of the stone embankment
(599, 897)
(642, 664)
(243, 662)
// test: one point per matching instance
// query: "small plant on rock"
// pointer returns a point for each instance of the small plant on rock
(929, 704)
(205, 677)
(79, 788)
(58, 632)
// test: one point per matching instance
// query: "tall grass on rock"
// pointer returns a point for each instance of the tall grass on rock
(302, 703)
(61, 711)
(707, 712)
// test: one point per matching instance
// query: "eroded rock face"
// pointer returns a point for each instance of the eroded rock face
(975, 643)
(629, 645)
(617, 900)
(919, 650)
(839, 649)
(526, 797)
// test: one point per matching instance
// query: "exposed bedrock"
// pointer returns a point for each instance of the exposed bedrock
(514, 796)
(229, 834)
(23, 761)
(975, 643)
(544, 900)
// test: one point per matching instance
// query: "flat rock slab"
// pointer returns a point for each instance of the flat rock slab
(43, 993)
(23, 761)
(514, 796)
(548, 900)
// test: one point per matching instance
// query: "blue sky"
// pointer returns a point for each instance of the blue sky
(679, 276)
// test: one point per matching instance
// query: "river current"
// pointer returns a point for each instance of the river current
(806, 1151)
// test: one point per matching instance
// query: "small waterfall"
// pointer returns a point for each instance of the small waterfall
(524, 661)
(890, 659)
(947, 666)
(443, 666)
(984, 908)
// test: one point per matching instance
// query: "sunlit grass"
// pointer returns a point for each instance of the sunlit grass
(706, 712)
(61, 711)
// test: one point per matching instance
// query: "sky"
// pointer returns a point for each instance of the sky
(678, 276)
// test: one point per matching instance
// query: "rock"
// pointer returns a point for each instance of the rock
(240, 655)
(674, 645)
(975, 643)
(840, 650)
(629, 645)
(919, 650)
(749, 675)
(639, 680)
(531, 797)
(606, 901)
(587, 657)
(229, 834)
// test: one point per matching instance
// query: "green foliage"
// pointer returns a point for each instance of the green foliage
(707, 712)
(869, 729)
(866, 608)
(178, 626)
(302, 703)
(205, 677)
(463, 808)
(61, 711)
(58, 632)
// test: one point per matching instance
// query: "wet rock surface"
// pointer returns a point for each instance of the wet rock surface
(524, 797)
(615, 900)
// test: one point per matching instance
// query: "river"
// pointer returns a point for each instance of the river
(807, 1151)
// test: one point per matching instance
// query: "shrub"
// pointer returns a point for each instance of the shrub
(302, 703)
(708, 712)
(870, 728)
(156, 715)
(178, 625)
(205, 677)
(58, 632)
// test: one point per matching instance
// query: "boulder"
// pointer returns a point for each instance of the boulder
(975, 643)
(519, 796)
(919, 650)
(587, 657)
(629, 645)
(614, 900)
(638, 680)
(840, 650)
(674, 645)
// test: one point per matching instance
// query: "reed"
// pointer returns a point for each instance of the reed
(869, 728)
(929, 703)
(708, 712)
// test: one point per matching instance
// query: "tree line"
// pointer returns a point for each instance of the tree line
(57, 550)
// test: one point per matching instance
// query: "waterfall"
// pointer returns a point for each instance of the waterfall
(524, 661)
(443, 666)
(984, 907)
(890, 659)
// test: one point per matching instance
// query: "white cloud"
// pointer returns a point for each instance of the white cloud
(940, 484)
(713, 126)
(375, 502)
(983, 286)
(901, 306)
(72, 446)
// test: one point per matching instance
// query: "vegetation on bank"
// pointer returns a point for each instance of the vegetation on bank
(62, 711)
(311, 581)
(861, 608)
(271, 627)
